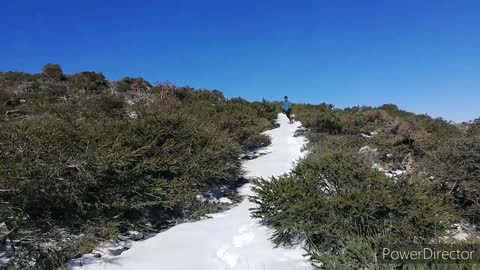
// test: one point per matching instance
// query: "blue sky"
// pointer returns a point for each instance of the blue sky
(423, 55)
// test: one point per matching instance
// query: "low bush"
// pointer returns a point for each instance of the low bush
(62, 174)
(75, 156)
(5, 97)
(132, 84)
(397, 132)
(455, 166)
(53, 71)
(90, 168)
(89, 82)
(103, 105)
(344, 210)
(474, 129)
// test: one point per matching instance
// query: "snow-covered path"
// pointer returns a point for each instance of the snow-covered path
(229, 240)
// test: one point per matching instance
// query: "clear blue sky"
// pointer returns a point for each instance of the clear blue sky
(423, 55)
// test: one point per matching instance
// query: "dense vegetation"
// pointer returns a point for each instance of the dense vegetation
(82, 157)
(373, 177)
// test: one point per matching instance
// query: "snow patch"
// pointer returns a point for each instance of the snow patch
(369, 135)
(395, 173)
(228, 258)
(225, 200)
(243, 239)
(367, 150)
(461, 232)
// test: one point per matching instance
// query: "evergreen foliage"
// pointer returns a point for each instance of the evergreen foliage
(81, 154)
(455, 168)
(343, 208)
(53, 71)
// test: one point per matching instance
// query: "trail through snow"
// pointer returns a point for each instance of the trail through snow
(228, 240)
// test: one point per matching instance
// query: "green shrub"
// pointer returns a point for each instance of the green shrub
(398, 132)
(5, 97)
(132, 84)
(322, 143)
(11, 77)
(474, 129)
(344, 210)
(455, 166)
(256, 141)
(336, 202)
(54, 88)
(103, 104)
(328, 123)
(89, 82)
(53, 71)
(70, 172)
(72, 159)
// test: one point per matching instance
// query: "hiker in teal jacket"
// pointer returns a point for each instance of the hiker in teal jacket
(287, 109)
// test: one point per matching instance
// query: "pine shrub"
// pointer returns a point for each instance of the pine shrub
(72, 158)
(455, 167)
(53, 71)
(342, 209)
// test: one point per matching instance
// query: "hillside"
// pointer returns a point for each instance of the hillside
(86, 161)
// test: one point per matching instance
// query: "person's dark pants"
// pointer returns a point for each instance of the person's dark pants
(288, 112)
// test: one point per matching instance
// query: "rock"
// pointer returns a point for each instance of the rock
(180, 221)
(367, 150)
(4, 231)
(252, 155)
(134, 235)
(249, 156)
(150, 235)
(115, 251)
(97, 255)
(130, 235)
(6, 253)
(123, 237)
